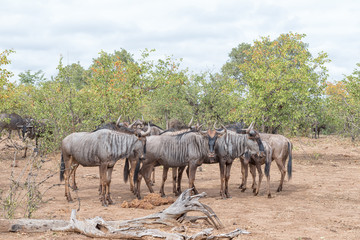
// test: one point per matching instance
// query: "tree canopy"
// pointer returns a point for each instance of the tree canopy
(277, 83)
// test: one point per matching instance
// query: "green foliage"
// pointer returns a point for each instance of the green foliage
(165, 96)
(31, 79)
(284, 82)
(343, 101)
(6, 87)
(237, 56)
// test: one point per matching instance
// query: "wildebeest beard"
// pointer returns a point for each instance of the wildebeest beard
(261, 146)
(212, 141)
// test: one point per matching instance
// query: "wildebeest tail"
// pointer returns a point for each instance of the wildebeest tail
(289, 166)
(137, 170)
(126, 170)
(268, 162)
(62, 168)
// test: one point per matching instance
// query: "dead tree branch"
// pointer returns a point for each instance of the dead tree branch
(135, 228)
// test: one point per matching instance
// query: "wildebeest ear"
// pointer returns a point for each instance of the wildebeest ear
(204, 133)
(222, 132)
(143, 134)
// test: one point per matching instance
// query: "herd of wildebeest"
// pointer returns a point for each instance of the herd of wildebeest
(145, 146)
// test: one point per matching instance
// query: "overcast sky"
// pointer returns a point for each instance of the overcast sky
(202, 33)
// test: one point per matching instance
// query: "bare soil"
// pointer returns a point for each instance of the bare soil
(322, 200)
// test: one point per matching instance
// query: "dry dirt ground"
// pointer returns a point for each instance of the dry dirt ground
(322, 201)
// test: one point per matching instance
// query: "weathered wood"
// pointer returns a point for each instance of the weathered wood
(130, 229)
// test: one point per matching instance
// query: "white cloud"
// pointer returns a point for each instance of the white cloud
(201, 32)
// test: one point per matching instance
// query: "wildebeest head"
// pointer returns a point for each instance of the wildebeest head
(138, 124)
(35, 128)
(27, 129)
(141, 135)
(212, 136)
(253, 135)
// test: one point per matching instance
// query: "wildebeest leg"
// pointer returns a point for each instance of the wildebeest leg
(108, 181)
(174, 178)
(103, 181)
(145, 172)
(133, 162)
(164, 177)
(253, 175)
(227, 177)
(26, 148)
(191, 174)
(74, 167)
(282, 171)
(179, 177)
(242, 173)
(19, 134)
(153, 177)
(246, 170)
(138, 183)
(222, 177)
(67, 173)
(258, 166)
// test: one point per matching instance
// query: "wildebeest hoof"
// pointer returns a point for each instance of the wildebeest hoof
(256, 193)
(110, 201)
(279, 189)
(269, 195)
(243, 189)
(241, 186)
(254, 190)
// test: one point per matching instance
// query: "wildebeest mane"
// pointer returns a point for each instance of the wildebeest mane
(233, 144)
(180, 135)
(114, 127)
(100, 144)
(176, 149)
(236, 127)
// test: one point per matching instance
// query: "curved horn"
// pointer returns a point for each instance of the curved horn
(130, 126)
(142, 117)
(118, 121)
(215, 125)
(189, 125)
(143, 134)
(223, 131)
(250, 127)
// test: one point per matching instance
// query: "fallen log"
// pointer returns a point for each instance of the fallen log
(132, 229)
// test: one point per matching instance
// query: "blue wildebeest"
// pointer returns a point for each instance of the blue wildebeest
(256, 162)
(118, 127)
(35, 129)
(316, 128)
(176, 171)
(129, 173)
(186, 149)
(281, 150)
(11, 122)
(174, 129)
(101, 148)
(121, 127)
(234, 145)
